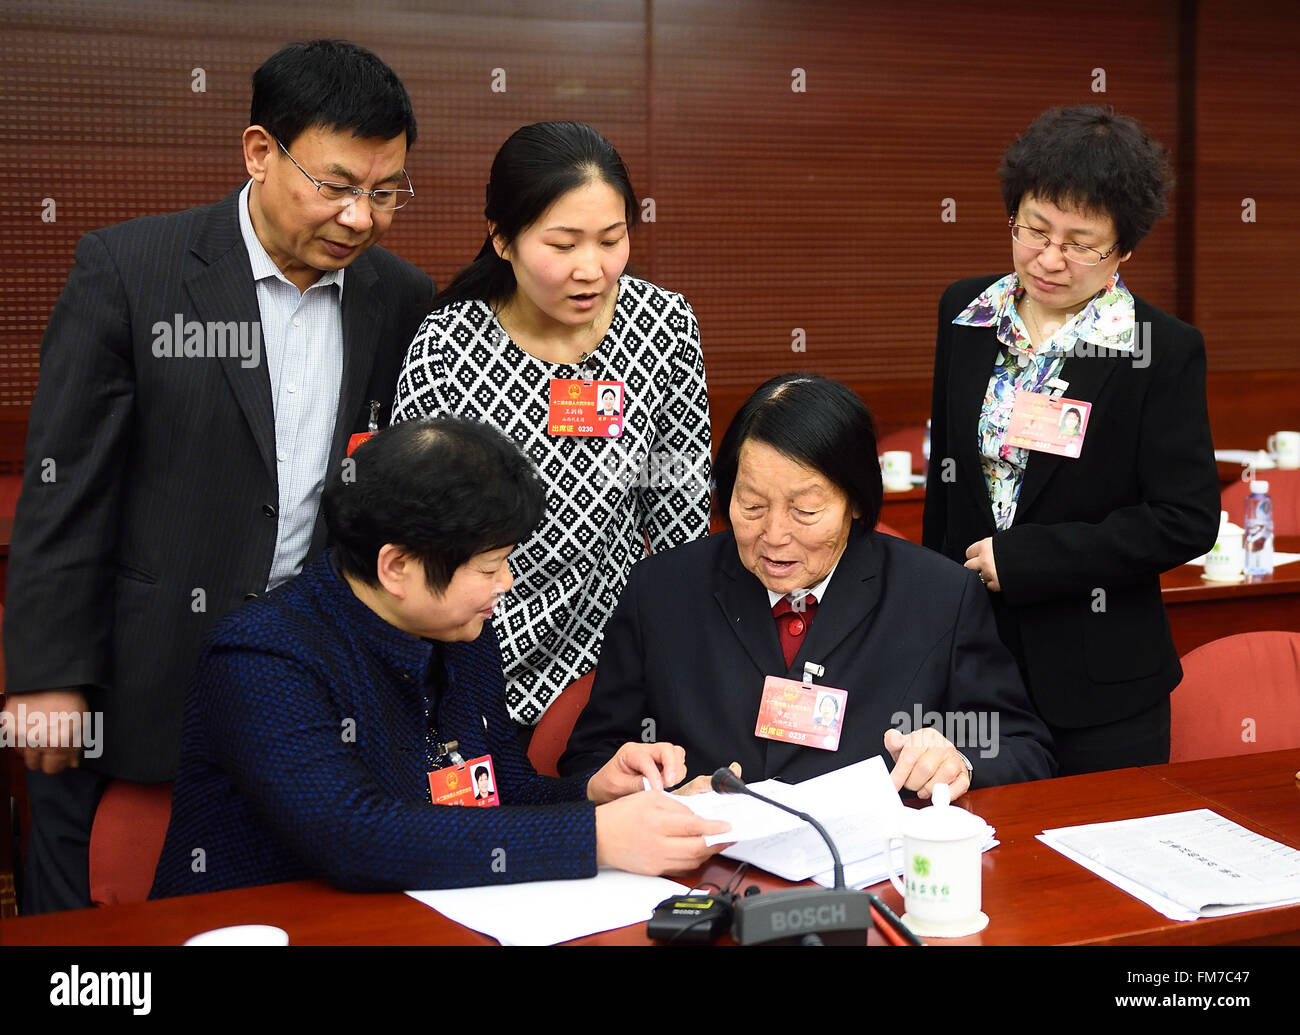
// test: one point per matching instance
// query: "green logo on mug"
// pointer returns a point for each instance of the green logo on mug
(921, 865)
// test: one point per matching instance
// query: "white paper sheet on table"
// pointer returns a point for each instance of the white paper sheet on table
(857, 805)
(548, 911)
(1258, 457)
(1279, 559)
(1186, 864)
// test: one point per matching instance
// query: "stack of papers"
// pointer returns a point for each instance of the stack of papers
(1187, 864)
(857, 805)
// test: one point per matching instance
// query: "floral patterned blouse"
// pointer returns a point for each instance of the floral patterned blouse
(1107, 321)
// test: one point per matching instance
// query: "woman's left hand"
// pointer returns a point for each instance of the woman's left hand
(663, 765)
(979, 559)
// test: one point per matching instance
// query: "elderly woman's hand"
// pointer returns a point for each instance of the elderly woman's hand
(703, 784)
(923, 758)
(662, 765)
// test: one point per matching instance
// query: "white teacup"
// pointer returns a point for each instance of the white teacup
(1285, 447)
(941, 869)
(1223, 562)
(896, 470)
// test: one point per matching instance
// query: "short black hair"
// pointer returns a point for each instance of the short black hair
(816, 422)
(333, 85)
(443, 490)
(1093, 159)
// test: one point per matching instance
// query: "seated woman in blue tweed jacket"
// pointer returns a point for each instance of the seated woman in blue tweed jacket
(318, 710)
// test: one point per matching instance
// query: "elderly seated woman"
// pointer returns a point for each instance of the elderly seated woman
(802, 578)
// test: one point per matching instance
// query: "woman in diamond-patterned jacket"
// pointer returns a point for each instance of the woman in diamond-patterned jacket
(545, 306)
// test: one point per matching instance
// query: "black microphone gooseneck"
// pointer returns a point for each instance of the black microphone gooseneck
(726, 782)
(798, 915)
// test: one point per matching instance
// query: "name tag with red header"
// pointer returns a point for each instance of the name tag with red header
(358, 439)
(372, 428)
(585, 409)
(801, 713)
(1048, 423)
(470, 783)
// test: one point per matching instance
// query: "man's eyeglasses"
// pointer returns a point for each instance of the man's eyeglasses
(384, 199)
(1076, 253)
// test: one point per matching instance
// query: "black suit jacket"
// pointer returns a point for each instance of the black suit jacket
(901, 629)
(149, 502)
(1079, 568)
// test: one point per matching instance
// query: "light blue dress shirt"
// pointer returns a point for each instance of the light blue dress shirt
(302, 333)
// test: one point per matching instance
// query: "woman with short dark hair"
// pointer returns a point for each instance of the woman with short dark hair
(802, 578)
(545, 323)
(323, 714)
(1070, 537)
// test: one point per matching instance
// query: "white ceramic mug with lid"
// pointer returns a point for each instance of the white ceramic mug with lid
(941, 878)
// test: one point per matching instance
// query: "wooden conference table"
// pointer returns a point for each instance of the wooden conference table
(1033, 895)
(1201, 611)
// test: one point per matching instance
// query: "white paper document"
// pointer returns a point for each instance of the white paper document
(1186, 864)
(549, 911)
(857, 805)
(1279, 559)
(1258, 458)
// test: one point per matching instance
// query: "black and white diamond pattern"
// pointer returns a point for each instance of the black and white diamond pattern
(601, 505)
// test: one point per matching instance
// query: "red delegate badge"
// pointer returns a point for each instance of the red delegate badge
(1048, 423)
(590, 409)
(801, 713)
(470, 783)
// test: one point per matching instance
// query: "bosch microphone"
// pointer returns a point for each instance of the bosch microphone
(798, 915)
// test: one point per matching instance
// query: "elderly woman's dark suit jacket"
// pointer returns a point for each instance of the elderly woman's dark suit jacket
(692, 638)
(1079, 568)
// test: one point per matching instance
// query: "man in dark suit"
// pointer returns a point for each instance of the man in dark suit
(908, 634)
(200, 375)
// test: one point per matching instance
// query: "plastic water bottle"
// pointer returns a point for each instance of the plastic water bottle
(925, 452)
(1259, 531)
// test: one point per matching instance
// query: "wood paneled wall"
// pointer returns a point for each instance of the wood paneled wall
(801, 155)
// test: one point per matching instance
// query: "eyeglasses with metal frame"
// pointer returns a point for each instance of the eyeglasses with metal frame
(383, 199)
(1079, 254)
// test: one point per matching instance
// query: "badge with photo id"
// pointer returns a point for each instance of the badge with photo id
(470, 783)
(585, 409)
(801, 713)
(1048, 423)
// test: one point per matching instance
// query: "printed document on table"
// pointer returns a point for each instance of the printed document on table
(857, 805)
(1186, 864)
(545, 912)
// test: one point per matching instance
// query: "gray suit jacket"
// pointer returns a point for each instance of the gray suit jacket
(149, 502)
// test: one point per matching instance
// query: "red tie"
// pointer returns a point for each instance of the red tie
(791, 624)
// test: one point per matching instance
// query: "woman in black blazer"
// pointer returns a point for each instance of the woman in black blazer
(1070, 548)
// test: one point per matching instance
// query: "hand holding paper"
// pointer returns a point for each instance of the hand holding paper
(659, 765)
(651, 833)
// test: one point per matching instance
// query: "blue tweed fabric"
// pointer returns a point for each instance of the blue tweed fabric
(303, 756)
